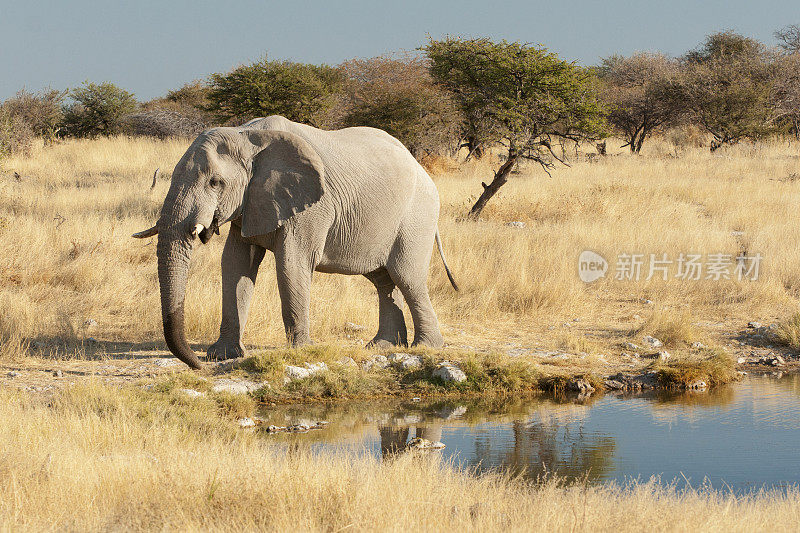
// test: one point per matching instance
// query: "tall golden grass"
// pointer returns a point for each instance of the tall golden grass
(66, 256)
(97, 458)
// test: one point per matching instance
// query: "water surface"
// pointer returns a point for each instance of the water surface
(744, 436)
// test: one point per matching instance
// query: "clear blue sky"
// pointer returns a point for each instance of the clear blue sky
(149, 47)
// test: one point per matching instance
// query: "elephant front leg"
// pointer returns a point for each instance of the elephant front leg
(294, 287)
(240, 262)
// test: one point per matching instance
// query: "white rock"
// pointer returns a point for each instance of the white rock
(316, 367)
(405, 361)
(296, 372)
(351, 326)
(515, 224)
(663, 355)
(246, 422)
(698, 345)
(192, 393)
(12, 374)
(377, 362)
(651, 341)
(166, 362)
(347, 362)
(293, 373)
(754, 325)
(741, 360)
(631, 346)
(448, 372)
(235, 386)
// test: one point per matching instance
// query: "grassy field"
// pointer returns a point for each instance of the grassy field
(75, 290)
(97, 458)
(69, 269)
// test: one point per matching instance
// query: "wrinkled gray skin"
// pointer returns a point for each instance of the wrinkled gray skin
(352, 201)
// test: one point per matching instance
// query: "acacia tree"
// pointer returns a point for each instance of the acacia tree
(525, 98)
(637, 93)
(727, 87)
(300, 92)
(97, 109)
(399, 96)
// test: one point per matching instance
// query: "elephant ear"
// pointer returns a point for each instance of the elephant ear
(287, 177)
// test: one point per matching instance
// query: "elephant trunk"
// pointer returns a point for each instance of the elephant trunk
(173, 269)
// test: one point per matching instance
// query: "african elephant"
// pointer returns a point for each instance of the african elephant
(351, 201)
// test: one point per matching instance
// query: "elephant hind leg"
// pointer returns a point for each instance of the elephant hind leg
(391, 322)
(413, 285)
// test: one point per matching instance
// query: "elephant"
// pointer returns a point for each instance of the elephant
(352, 201)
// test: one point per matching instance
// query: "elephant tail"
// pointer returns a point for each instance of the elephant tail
(446, 268)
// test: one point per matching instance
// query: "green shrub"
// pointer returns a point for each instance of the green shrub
(97, 110)
(298, 91)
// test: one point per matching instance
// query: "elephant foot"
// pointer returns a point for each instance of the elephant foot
(431, 340)
(382, 343)
(300, 341)
(226, 349)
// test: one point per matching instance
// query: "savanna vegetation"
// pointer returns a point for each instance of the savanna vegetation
(699, 155)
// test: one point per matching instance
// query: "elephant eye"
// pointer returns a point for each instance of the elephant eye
(215, 182)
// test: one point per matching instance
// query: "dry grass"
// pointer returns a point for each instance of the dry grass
(788, 332)
(96, 459)
(66, 256)
(672, 327)
(709, 365)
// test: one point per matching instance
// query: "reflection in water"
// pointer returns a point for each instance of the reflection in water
(722, 435)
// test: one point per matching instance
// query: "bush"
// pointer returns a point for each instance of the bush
(182, 110)
(161, 123)
(726, 87)
(300, 92)
(192, 95)
(786, 94)
(97, 110)
(27, 115)
(42, 111)
(16, 135)
(399, 96)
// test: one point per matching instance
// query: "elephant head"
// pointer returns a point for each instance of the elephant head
(260, 177)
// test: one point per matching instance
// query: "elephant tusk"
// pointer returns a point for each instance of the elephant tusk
(146, 233)
(197, 229)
